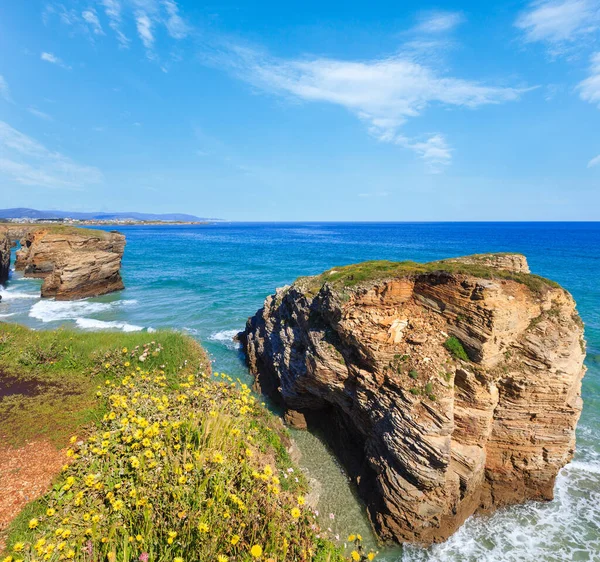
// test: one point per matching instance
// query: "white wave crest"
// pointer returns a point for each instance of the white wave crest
(226, 338)
(9, 295)
(91, 324)
(52, 311)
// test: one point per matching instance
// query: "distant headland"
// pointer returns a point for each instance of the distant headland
(25, 215)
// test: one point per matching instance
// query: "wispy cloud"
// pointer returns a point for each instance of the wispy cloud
(594, 162)
(382, 93)
(589, 89)
(112, 9)
(26, 161)
(40, 114)
(53, 59)
(4, 89)
(176, 27)
(144, 28)
(91, 17)
(438, 22)
(559, 23)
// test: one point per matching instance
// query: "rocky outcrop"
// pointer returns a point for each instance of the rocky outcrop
(4, 257)
(74, 262)
(446, 389)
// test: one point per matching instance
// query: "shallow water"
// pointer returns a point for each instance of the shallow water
(207, 280)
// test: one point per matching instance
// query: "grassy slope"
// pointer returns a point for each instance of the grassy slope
(365, 272)
(179, 465)
(48, 378)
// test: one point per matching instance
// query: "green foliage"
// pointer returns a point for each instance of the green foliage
(415, 391)
(453, 345)
(357, 274)
(413, 374)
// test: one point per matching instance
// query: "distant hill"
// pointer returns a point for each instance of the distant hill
(35, 214)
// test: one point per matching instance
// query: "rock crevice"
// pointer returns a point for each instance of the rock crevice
(446, 389)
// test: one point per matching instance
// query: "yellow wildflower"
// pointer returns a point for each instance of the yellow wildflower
(355, 556)
(203, 527)
(33, 523)
(295, 513)
(256, 551)
(235, 539)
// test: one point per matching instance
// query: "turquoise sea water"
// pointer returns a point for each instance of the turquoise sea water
(206, 280)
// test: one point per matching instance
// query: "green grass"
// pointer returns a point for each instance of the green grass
(453, 345)
(178, 465)
(61, 229)
(48, 378)
(356, 274)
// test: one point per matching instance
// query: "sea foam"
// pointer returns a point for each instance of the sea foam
(226, 338)
(91, 324)
(562, 529)
(9, 294)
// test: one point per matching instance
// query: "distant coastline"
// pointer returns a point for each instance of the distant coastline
(22, 215)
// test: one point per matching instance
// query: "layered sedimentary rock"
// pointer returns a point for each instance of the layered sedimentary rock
(446, 389)
(74, 263)
(4, 257)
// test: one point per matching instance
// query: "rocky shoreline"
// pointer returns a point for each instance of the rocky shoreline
(74, 263)
(446, 389)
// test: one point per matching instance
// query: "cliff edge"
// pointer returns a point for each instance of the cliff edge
(446, 388)
(74, 262)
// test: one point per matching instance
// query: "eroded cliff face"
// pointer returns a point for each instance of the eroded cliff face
(4, 257)
(446, 388)
(74, 263)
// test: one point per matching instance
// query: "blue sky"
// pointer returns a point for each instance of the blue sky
(303, 111)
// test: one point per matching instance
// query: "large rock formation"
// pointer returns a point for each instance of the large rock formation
(447, 388)
(74, 262)
(4, 257)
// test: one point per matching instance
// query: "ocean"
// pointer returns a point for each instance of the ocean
(206, 280)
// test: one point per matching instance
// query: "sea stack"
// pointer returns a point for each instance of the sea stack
(446, 389)
(74, 262)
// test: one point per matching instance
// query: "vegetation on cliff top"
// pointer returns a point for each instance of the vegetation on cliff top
(181, 465)
(356, 274)
(58, 229)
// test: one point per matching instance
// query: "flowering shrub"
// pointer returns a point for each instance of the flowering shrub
(178, 469)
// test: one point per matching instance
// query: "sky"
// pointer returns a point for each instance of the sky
(285, 111)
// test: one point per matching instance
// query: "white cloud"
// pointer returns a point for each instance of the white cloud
(594, 162)
(434, 150)
(4, 89)
(53, 59)
(91, 18)
(40, 114)
(438, 22)
(112, 9)
(26, 161)
(176, 27)
(383, 93)
(144, 28)
(559, 22)
(589, 89)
